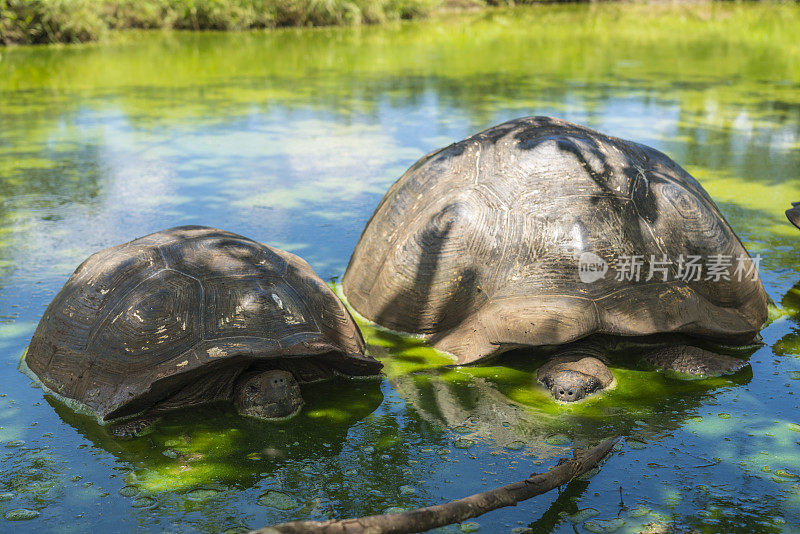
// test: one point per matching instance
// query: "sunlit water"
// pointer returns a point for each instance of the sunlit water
(291, 138)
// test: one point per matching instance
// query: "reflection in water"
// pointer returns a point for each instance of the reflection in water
(203, 455)
(211, 448)
(291, 138)
(503, 403)
(477, 404)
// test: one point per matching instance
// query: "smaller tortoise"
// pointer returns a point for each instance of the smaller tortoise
(192, 315)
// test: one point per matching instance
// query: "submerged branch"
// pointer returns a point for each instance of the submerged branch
(423, 519)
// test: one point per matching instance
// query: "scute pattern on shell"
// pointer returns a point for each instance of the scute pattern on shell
(136, 322)
(476, 246)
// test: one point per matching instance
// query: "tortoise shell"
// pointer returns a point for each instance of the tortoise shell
(479, 246)
(136, 322)
(793, 214)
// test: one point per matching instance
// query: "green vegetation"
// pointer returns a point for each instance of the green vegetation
(77, 21)
(292, 137)
(50, 21)
(71, 21)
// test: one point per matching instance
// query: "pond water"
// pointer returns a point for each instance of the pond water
(291, 138)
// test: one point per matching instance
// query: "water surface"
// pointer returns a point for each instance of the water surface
(291, 138)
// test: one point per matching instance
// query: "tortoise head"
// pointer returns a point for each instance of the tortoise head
(269, 394)
(572, 378)
(570, 386)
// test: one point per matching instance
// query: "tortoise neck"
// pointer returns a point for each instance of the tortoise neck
(594, 346)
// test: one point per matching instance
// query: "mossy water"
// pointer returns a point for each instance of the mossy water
(291, 138)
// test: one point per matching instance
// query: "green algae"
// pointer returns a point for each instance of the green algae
(103, 143)
(277, 499)
(21, 514)
(582, 515)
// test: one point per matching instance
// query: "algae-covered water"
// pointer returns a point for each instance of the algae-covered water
(291, 138)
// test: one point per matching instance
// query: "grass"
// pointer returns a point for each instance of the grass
(71, 21)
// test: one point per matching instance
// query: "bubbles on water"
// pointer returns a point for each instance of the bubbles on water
(177, 442)
(604, 525)
(463, 443)
(143, 502)
(470, 526)
(394, 510)
(581, 515)
(589, 474)
(21, 514)
(7, 496)
(516, 445)
(639, 511)
(723, 415)
(407, 490)
(785, 473)
(14, 443)
(202, 494)
(129, 491)
(278, 499)
(635, 444)
(558, 440)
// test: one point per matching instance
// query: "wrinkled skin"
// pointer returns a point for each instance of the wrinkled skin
(273, 394)
(268, 395)
(571, 377)
(571, 386)
(577, 371)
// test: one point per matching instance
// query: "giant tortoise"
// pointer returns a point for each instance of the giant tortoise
(538, 232)
(187, 316)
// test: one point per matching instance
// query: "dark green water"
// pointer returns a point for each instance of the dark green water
(291, 138)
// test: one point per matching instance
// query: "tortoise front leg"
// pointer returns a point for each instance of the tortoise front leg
(135, 428)
(693, 361)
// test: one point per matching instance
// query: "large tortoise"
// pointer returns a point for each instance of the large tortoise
(191, 315)
(519, 236)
